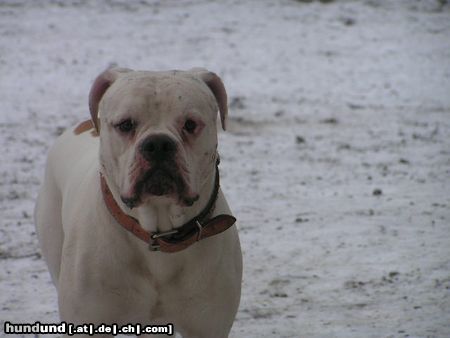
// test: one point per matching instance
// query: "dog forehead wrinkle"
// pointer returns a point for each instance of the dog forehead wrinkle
(164, 85)
(122, 98)
(185, 98)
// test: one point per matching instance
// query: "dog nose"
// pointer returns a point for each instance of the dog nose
(158, 147)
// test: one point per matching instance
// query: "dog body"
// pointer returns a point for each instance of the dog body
(157, 150)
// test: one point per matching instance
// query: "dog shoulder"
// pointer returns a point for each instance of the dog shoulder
(72, 152)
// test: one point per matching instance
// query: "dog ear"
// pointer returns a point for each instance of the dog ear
(215, 84)
(98, 89)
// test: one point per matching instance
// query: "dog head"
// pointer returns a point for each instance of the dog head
(158, 135)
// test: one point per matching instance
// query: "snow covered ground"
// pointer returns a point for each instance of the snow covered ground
(336, 163)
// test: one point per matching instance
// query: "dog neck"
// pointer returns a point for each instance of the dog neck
(162, 214)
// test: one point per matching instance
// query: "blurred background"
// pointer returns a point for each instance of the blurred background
(336, 162)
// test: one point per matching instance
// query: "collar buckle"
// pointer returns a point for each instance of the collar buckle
(153, 245)
(200, 228)
(164, 233)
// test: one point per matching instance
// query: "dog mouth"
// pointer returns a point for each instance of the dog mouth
(158, 182)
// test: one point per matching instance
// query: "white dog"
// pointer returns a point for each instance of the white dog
(131, 219)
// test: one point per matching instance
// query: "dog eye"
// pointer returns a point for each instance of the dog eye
(190, 126)
(126, 126)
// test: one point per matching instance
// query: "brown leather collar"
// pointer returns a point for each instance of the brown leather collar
(196, 229)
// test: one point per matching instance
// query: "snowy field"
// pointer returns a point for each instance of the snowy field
(336, 162)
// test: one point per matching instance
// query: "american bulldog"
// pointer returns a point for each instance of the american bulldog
(131, 219)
